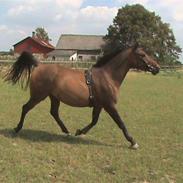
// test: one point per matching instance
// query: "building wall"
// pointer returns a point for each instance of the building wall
(83, 56)
(88, 54)
(74, 57)
(86, 57)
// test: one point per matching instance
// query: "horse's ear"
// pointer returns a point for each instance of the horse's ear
(135, 46)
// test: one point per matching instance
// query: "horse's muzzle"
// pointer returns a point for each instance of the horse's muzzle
(155, 70)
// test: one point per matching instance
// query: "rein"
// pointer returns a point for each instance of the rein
(89, 82)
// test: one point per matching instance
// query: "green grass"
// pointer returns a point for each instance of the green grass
(152, 108)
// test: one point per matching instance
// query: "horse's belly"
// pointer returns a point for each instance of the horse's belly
(72, 94)
(75, 101)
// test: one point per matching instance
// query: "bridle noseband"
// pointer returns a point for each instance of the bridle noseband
(150, 67)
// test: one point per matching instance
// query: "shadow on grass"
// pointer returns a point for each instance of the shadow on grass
(43, 136)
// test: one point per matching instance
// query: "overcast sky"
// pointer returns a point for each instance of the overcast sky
(18, 18)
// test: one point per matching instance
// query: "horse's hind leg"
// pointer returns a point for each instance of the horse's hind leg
(25, 109)
(55, 103)
(95, 116)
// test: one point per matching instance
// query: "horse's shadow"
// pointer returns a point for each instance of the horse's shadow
(43, 136)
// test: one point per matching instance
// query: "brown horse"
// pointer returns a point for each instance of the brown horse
(69, 85)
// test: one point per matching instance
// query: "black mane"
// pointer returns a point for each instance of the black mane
(106, 58)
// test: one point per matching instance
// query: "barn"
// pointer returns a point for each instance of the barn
(33, 45)
(77, 47)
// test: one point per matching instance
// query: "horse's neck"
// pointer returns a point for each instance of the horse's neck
(118, 68)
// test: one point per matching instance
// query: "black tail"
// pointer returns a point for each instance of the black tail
(21, 69)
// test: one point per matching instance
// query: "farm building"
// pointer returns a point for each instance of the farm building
(33, 45)
(77, 47)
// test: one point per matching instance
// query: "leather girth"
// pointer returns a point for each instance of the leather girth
(89, 82)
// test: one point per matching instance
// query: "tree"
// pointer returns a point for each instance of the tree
(135, 24)
(41, 33)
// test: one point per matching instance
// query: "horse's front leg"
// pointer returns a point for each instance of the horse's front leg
(111, 110)
(55, 103)
(95, 116)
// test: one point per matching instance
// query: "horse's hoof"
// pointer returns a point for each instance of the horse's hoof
(68, 134)
(83, 135)
(78, 132)
(16, 130)
(134, 146)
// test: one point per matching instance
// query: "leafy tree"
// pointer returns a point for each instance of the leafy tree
(135, 24)
(41, 33)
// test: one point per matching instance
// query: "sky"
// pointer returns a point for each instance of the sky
(18, 18)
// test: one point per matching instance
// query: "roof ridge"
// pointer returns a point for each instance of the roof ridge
(80, 41)
(37, 40)
(42, 42)
(81, 35)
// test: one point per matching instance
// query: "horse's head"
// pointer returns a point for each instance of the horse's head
(142, 61)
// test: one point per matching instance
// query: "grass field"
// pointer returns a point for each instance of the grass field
(152, 108)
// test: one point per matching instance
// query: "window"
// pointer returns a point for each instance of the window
(53, 58)
(80, 57)
(93, 57)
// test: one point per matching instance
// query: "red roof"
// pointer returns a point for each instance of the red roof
(37, 40)
(42, 42)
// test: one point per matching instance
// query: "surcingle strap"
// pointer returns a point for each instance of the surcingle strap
(89, 82)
